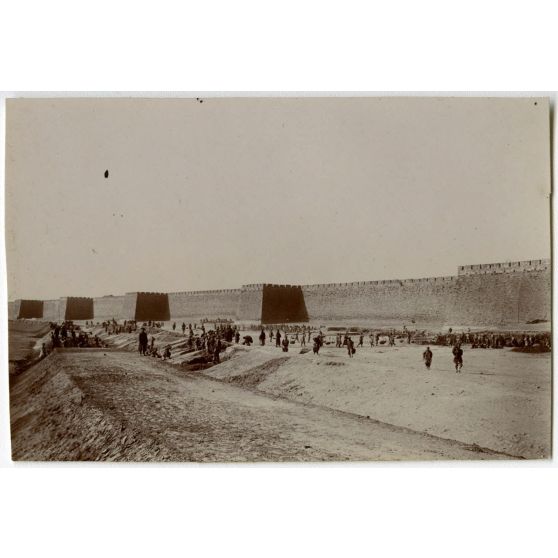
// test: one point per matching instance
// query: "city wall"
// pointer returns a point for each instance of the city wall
(484, 299)
(250, 303)
(283, 304)
(76, 308)
(108, 307)
(51, 311)
(192, 306)
(485, 294)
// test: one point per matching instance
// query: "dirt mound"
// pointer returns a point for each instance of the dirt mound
(53, 419)
(255, 376)
(25, 337)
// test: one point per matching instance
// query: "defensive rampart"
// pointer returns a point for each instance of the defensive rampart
(51, 311)
(108, 307)
(76, 308)
(250, 303)
(150, 306)
(283, 304)
(469, 299)
(28, 309)
(192, 306)
(486, 294)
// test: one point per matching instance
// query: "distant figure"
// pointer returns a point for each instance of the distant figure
(216, 351)
(183, 328)
(278, 339)
(458, 357)
(174, 326)
(262, 337)
(371, 337)
(271, 335)
(142, 342)
(106, 174)
(302, 341)
(427, 357)
(286, 344)
(167, 353)
(361, 340)
(350, 347)
(237, 336)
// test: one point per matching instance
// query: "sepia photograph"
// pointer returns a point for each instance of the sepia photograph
(248, 279)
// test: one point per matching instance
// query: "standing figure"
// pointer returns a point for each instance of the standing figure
(458, 358)
(262, 337)
(316, 346)
(427, 357)
(216, 351)
(350, 347)
(278, 339)
(142, 342)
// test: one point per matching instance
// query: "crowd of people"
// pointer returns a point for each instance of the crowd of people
(494, 340)
(67, 334)
(225, 332)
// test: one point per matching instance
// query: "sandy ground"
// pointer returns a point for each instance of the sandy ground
(264, 404)
(501, 400)
(111, 405)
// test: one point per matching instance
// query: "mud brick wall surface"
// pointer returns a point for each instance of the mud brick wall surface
(192, 306)
(51, 310)
(152, 306)
(250, 303)
(76, 308)
(283, 304)
(472, 299)
(29, 308)
(12, 310)
(505, 298)
(109, 307)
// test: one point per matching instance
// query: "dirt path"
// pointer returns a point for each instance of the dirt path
(103, 405)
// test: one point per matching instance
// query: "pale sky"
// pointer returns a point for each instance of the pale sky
(226, 192)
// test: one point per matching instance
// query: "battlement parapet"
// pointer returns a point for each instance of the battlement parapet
(208, 292)
(383, 283)
(504, 267)
(148, 293)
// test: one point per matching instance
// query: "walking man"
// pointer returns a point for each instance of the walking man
(427, 357)
(458, 358)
